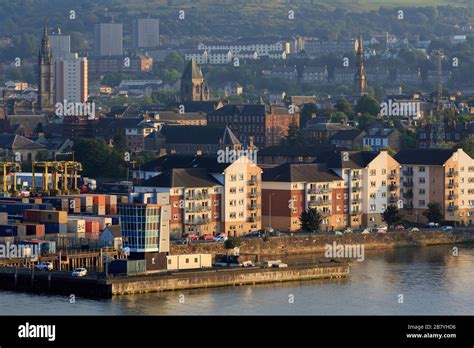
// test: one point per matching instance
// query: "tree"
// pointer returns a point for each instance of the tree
(392, 215)
(367, 104)
(292, 138)
(467, 145)
(434, 212)
(232, 242)
(344, 106)
(307, 112)
(365, 120)
(310, 220)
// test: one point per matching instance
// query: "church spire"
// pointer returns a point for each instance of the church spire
(360, 78)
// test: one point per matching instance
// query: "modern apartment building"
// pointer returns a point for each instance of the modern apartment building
(437, 175)
(60, 44)
(71, 74)
(290, 189)
(108, 39)
(372, 181)
(146, 32)
(207, 197)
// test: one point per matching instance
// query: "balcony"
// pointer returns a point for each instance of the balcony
(408, 184)
(325, 213)
(198, 222)
(451, 185)
(253, 181)
(356, 200)
(355, 177)
(451, 174)
(408, 195)
(356, 189)
(355, 212)
(318, 190)
(198, 197)
(254, 206)
(319, 202)
(254, 194)
(452, 207)
(198, 209)
(452, 197)
(393, 199)
(392, 176)
(408, 172)
(392, 187)
(254, 219)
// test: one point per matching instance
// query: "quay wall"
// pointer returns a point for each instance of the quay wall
(236, 277)
(307, 244)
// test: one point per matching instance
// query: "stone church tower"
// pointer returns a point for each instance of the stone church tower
(46, 74)
(193, 84)
(360, 78)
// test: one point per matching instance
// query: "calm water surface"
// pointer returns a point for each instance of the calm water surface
(431, 279)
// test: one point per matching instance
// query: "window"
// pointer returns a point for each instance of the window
(421, 169)
(421, 191)
(421, 180)
(195, 260)
(187, 260)
(175, 217)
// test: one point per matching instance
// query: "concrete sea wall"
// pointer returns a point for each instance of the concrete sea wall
(307, 244)
(235, 277)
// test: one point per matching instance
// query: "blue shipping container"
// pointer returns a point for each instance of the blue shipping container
(8, 230)
(51, 227)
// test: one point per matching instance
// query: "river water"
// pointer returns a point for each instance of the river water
(428, 280)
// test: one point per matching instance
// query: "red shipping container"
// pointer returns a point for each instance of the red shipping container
(37, 230)
(111, 209)
(92, 227)
(32, 215)
(99, 200)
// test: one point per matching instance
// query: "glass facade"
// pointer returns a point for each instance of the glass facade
(140, 225)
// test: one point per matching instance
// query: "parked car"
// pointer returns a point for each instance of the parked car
(44, 266)
(399, 227)
(338, 233)
(206, 237)
(447, 228)
(220, 238)
(191, 237)
(414, 229)
(181, 241)
(254, 235)
(79, 272)
(383, 227)
(365, 231)
(348, 230)
(278, 234)
(432, 224)
(222, 234)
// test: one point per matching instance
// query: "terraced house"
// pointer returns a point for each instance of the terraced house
(437, 175)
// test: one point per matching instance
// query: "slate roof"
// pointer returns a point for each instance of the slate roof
(192, 71)
(175, 134)
(14, 141)
(355, 159)
(424, 156)
(241, 109)
(296, 172)
(182, 177)
(170, 161)
(350, 134)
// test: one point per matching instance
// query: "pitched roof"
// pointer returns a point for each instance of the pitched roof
(182, 177)
(167, 162)
(424, 156)
(116, 230)
(354, 159)
(350, 134)
(192, 71)
(14, 141)
(241, 109)
(307, 172)
(175, 134)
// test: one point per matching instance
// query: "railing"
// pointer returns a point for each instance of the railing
(393, 199)
(318, 190)
(355, 212)
(198, 197)
(356, 189)
(198, 209)
(408, 184)
(356, 177)
(452, 185)
(319, 202)
(452, 207)
(408, 195)
(356, 200)
(198, 222)
(254, 219)
(253, 181)
(254, 206)
(392, 187)
(451, 174)
(253, 194)
(408, 172)
(392, 176)
(452, 197)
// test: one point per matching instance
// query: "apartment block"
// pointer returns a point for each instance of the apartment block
(437, 175)
(290, 189)
(209, 197)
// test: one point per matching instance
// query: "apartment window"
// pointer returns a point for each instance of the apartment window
(421, 180)
(233, 215)
(241, 214)
(241, 202)
(338, 208)
(421, 191)
(384, 206)
(216, 202)
(338, 196)
(384, 183)
(175, 204)
(384, 171)
(421, 169)
(384, 194)
(233, 178)
(233, 190)
(372, 195)
(175, 216)
(241, 176)
(216, 215)
(241, 189)
(373, 184)
(372, 207)
(422, 202)
(295, 210)
(233, 202)
(373, 172)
